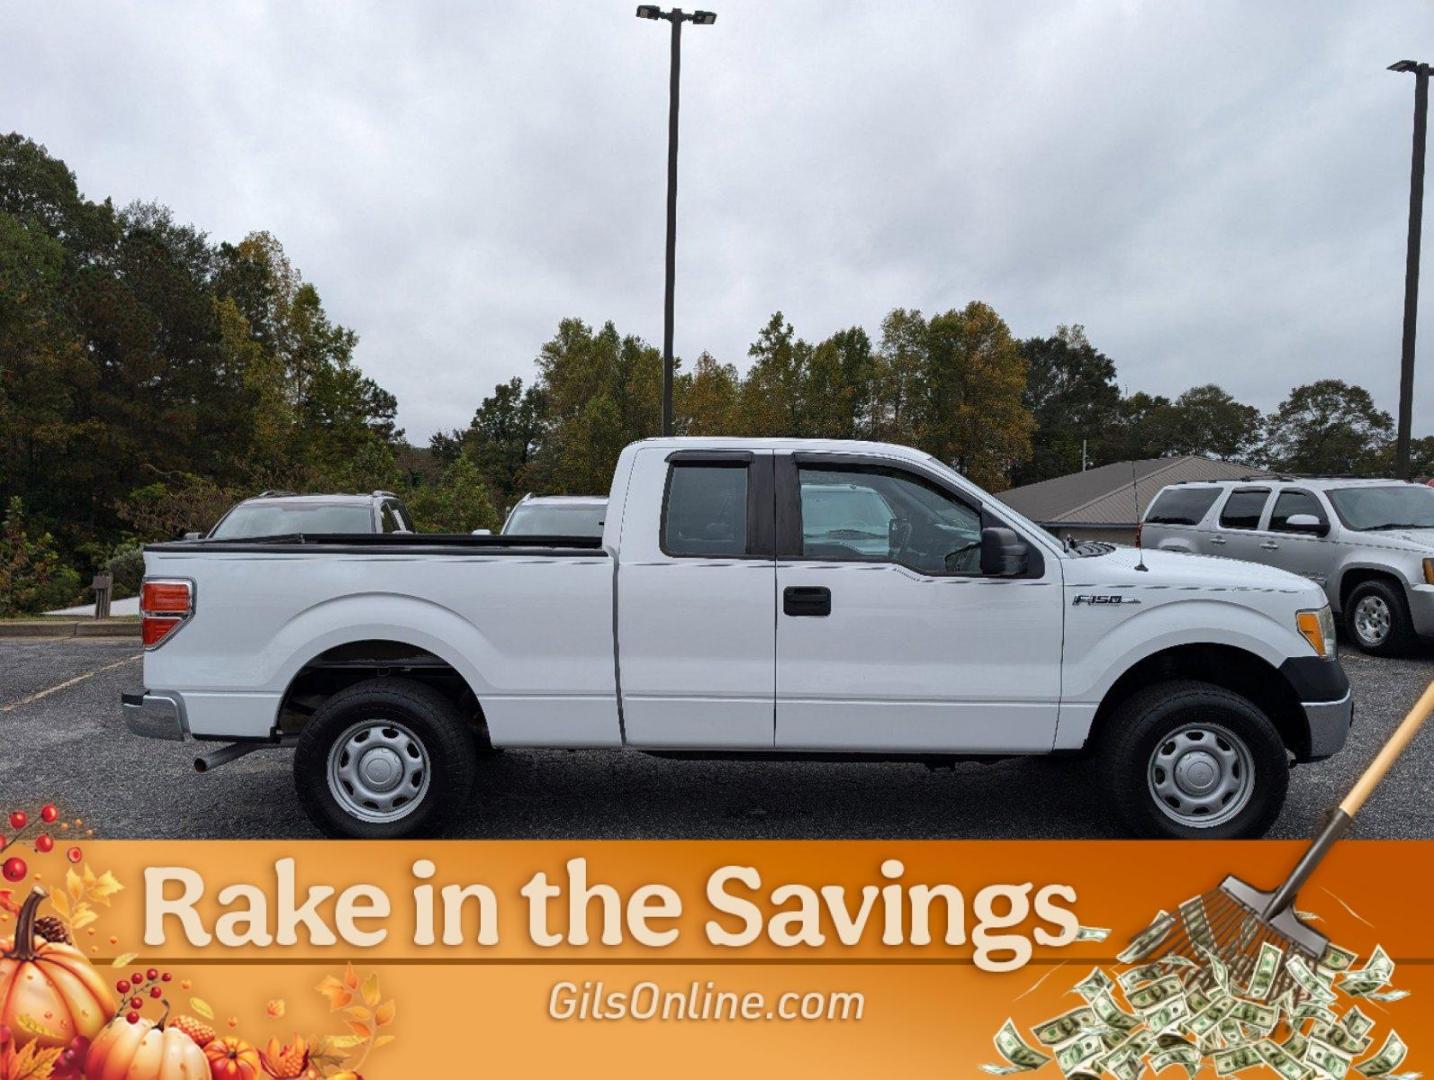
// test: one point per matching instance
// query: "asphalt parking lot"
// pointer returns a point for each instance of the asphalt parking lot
(61, 739)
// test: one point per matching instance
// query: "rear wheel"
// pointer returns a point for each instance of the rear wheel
(1377, 619)
(1187, 759)
(383, 759)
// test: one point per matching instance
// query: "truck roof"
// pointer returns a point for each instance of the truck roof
(837, 446)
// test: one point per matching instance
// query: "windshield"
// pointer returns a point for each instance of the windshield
(284, 519)
(844, 509)
(1401, 506)
(553, 520)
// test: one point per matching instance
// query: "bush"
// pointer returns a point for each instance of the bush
(126, 566)
(32, 578)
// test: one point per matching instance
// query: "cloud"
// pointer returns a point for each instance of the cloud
(1217, 191)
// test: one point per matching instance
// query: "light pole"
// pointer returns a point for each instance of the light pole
(1411, 263)
(676, 17)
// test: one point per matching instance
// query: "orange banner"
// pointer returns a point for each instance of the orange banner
(803, 956)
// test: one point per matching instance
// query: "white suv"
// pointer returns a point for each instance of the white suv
(1369, 543)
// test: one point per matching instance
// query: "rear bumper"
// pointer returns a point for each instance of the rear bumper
(155, 716)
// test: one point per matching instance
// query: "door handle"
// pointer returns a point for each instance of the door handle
(1217, 539)
(1270, 545)
(811, 600)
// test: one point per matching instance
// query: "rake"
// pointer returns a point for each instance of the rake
(1234, 921)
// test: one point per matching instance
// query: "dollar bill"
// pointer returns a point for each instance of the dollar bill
(1168, 1015)
(1094, 984)
(1236, 1059)
(1208, 1019)
(1112, 1015)
(1335, 958)
(1151, 996)
(1391, 1055)
(1308, 981)
(1143, 973)
(1387, 995)
(1092, 933)
(1149, 939)
(1282, 1061)
(1185, 1056)
(1079, 1052)
(1197, 923)
(1257, 1015)
(1355, 1022)
(1329, 1060)
(1267, 966)
(1296, 1043)
(1217, 970)
(1063, 1028)
(1374, 975)
(1313, 1010)
(1020, 1056)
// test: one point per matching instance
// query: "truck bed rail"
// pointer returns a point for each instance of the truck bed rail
(391, 543)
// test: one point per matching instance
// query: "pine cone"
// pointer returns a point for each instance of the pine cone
(52, 929)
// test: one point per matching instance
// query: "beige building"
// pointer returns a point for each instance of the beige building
(1105, 503)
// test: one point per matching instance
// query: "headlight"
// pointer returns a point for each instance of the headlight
(1317, 627)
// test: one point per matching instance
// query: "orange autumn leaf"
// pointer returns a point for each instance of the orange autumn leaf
(350, 977)
(338, 994)
(363, 1031)
(276, 1008)
(384, 1014)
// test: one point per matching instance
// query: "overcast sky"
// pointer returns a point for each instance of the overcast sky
(1218, 191)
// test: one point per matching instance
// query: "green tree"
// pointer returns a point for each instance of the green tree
(1328, 426)
(1145, 428)
(1074, 401)
(32, 577)
(458, 503)
(1207, 421)
(708, 400)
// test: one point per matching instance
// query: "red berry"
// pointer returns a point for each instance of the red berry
(48, 814)
(14, 869)
(18, 819)
(152, 974)
(136, 1003)
(155, 991)
(122, 986)
(132, 1017)
(74, 854)
(43, 844)
(165, 977)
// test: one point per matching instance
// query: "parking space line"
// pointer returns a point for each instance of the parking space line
(37, 695)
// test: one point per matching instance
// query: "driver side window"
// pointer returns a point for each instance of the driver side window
(877, 514)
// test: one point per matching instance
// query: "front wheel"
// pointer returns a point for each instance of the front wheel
(1377, 619)
(1187, 759)
(384, 759)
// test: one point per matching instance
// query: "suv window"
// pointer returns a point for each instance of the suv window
(389, 519)
(1242, 509)
(876, 514)
(1182, 505)
(1290, 503)
(705, 511)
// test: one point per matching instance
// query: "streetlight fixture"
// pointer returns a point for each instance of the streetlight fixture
(676, 17)
(1420, 71)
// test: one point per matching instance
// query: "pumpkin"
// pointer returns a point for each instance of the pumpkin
(232, 1059)
(49, 994)
(144, 1050)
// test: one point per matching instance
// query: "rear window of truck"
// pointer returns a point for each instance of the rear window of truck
(1181, 506)
(705, 512)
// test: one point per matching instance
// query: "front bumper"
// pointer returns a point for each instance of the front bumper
(1421, 609)
(155, 716)
(1328, 703)
(1329, 723)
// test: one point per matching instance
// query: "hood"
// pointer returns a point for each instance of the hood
(1420, 538)
(1174, 568)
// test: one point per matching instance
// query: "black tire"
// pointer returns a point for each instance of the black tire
(1157, 716)
(427, 720)
(1398, 636)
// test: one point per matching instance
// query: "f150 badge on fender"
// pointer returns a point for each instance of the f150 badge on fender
(1102, 598)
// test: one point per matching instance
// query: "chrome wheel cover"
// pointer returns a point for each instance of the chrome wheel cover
(1372, 620)
(378, 771)
(1201, 775)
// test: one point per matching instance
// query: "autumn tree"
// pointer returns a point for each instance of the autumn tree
(1328, 426)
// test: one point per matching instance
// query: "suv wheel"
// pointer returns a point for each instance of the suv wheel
(383, 759)
(1377, 619)
(1187, 759)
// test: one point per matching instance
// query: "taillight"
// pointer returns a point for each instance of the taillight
(164, 604)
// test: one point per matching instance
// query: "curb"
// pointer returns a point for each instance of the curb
(69, 628)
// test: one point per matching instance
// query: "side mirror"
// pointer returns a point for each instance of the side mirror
(1003, 553)
(193, 536)
(1306, 523)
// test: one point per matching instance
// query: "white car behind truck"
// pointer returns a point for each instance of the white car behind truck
(730, 609)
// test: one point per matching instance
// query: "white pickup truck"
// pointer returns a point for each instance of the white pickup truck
(773, 598)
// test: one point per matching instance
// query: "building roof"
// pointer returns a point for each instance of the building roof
(1104, 495)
